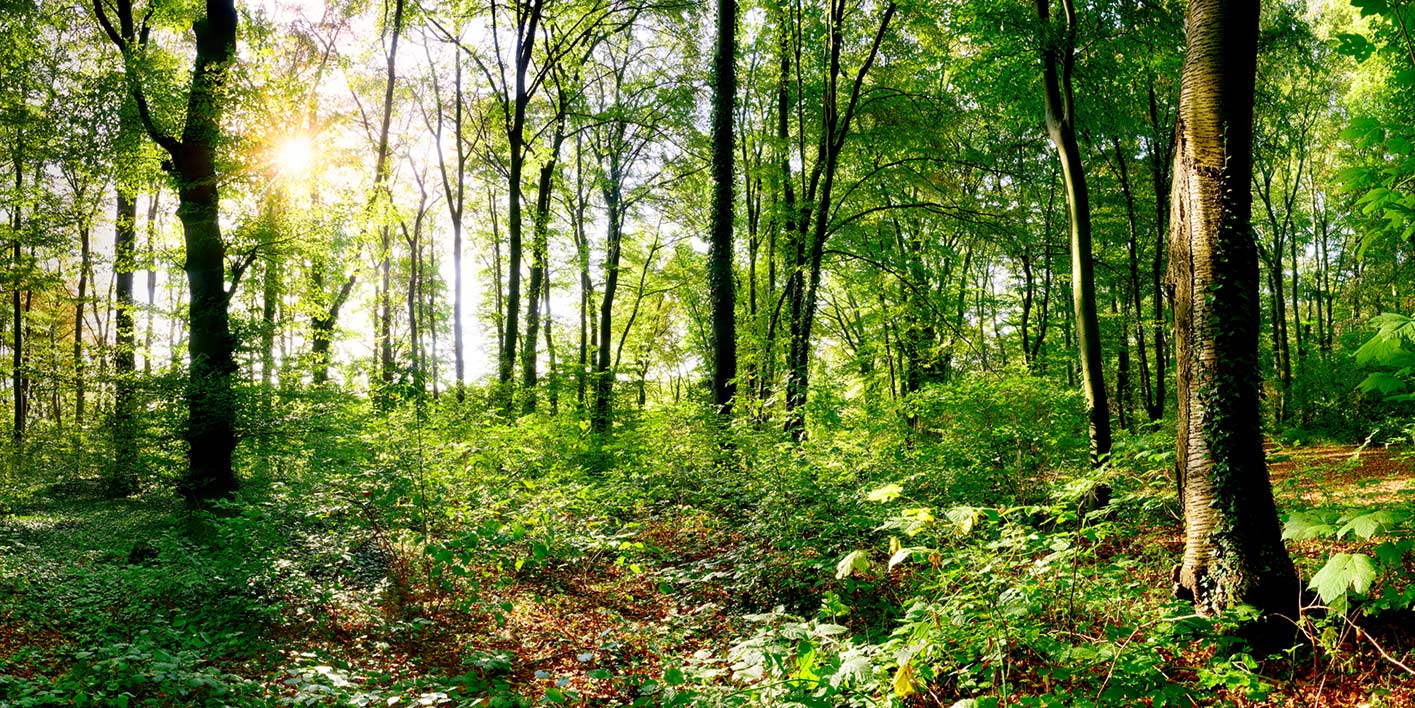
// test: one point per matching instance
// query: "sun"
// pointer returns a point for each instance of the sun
(294, 156)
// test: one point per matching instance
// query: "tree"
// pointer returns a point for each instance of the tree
(211, 406)
(1058, 44)
(720, 283)
(1233, 551)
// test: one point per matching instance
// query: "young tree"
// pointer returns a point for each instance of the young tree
(1233, 550)
(1058, 50)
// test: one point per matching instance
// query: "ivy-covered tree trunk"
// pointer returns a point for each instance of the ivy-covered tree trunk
(1233, 550)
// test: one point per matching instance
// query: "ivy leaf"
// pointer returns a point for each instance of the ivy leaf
(1344, 571)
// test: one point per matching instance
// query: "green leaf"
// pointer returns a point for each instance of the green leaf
(853, 562)
(1381, 382)
(1344, 571)
(887, 493)
(1367, 525)
(1354, 45)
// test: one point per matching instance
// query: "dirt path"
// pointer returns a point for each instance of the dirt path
(1342, 475)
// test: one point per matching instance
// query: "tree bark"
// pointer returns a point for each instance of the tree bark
(1233, 547)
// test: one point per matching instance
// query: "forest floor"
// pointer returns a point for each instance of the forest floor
(92, 606)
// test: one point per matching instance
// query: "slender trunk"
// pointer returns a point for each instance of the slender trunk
(17, 320)
(1132, 252)
(1161, 163)
(539, 258)
(151, 284)
(78, 354)
(385, 310)
(600, 417)
(582, 259)
(528, 19)
(1058, 61)
(552, 372)
(812, 227)
(1123, 388)
(1233, 548)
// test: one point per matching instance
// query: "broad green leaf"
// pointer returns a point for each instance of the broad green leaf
(887, 493)
(1344, 571)
(853, 562)
(1367, 525)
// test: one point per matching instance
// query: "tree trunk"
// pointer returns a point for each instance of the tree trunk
(812, 221)
(540, 225)
(1132, 253)
(17, 320)
(600, 416)
(1058, 56)
(151, 284)
(719, 266)
(122, 479)
(1161, 162)
(78, 354)
(1233, 547)
(211, 405)
(528, 19)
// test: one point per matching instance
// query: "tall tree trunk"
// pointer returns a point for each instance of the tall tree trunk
(719, 266)
(528, 15)
(385, 309)
(1233, 547)
(1161, 163)
(1132, 247)
(78, 354)
(1058, 57)
(151, 283)
(600, 416)
(1123, 387)
(122, 479)
(540, 225)
(813, 219)
(211, 406)
(582, 260)
(18, 382)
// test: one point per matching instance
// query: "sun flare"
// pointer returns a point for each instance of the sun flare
(294, 156)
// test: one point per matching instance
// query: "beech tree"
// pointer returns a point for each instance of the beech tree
(211, 405)
(1233, 550)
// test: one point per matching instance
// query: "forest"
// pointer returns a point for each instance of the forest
(875, 353)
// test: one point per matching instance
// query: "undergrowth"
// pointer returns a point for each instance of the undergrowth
(942, 551)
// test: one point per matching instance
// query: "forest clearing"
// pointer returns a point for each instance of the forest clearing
(870, 353)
